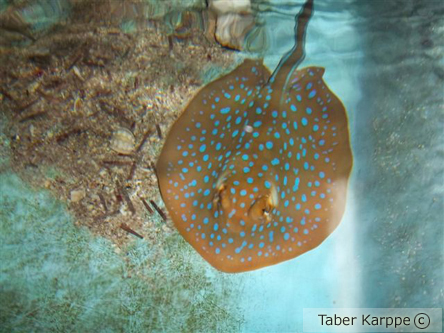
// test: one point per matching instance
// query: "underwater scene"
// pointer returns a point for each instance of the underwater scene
(219, 165)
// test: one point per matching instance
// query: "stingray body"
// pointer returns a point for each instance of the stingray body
(255, 170)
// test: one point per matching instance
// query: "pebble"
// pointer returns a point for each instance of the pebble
(77, 195)
(123, 141)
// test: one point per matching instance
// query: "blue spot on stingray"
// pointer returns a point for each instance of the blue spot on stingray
(225, 110)
(202, 148)
(296, 184)
(304, 121)
(267, 184)
(293, 108)
(269, 145)
(312, 94)
(308, 110)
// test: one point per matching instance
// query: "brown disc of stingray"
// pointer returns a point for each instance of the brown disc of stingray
(255, 170)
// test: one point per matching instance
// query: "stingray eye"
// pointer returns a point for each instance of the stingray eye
(221, 199)
(260, 210)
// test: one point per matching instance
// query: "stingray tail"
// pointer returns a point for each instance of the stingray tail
(295, 56)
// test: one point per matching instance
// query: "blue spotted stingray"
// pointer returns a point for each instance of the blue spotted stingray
(255, 170)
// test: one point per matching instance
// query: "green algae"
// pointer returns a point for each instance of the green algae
(55, 277)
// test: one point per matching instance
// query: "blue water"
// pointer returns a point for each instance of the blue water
(384, 60)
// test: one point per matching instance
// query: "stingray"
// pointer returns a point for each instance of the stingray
(255, 170)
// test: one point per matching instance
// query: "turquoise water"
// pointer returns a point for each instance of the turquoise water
(384, 60)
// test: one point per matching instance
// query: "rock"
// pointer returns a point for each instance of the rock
(77, 195)
(123, 141)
